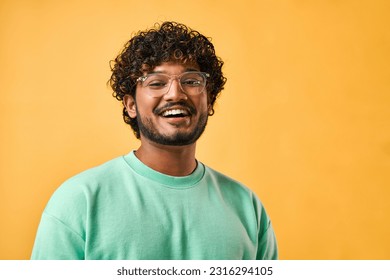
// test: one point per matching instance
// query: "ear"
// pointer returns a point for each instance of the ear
(210, 109)
(129, 103)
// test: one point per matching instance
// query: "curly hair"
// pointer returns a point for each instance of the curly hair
(170, 41)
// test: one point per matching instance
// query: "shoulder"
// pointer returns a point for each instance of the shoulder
(225, 182)
(95, 176)
(235, 190)
(240, 196)
(105, 171)
(231, 189)
(75, 192)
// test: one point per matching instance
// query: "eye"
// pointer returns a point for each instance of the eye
(191, 82)
(156, 82)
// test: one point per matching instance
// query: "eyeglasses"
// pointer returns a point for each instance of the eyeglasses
(158, 84)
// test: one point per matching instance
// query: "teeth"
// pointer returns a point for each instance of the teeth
(174, 112)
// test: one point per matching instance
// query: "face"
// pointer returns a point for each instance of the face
(175, 118)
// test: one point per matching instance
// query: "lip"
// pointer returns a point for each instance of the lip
(182, 111)
(179, 120)
(183, 120)
(187, 110)
(178, 106)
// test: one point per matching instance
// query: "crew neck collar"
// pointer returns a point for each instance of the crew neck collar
(170, 181)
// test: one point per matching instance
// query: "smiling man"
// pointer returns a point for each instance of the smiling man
(159, 202)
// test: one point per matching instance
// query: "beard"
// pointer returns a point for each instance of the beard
(149, 131)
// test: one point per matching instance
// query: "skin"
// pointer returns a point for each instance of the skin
(174, 160)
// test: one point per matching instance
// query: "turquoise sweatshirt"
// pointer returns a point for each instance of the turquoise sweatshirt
(125, 210)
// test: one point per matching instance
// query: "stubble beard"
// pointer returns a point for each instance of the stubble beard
(149, 131)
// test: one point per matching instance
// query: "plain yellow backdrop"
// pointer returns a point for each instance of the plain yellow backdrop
(304, 119)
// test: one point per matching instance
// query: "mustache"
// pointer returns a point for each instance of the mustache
(182, 104)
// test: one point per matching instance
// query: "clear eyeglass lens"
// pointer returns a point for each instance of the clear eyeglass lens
(190, 82)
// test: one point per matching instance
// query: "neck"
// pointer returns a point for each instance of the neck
(169, 160)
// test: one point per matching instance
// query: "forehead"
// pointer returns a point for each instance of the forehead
(174, 68)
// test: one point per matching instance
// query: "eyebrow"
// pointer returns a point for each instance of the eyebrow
(165, 72)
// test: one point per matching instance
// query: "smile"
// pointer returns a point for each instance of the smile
(175, 113)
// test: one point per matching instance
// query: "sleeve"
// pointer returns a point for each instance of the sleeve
(57, 241)
(61, 233)
(267, 248)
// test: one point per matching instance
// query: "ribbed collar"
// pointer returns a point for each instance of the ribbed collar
(170, 181)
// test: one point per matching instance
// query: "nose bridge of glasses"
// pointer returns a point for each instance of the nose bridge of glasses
(177, 79)
(178, 87)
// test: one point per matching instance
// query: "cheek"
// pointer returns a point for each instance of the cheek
(145, 105)
(204, 104)
(201, 102)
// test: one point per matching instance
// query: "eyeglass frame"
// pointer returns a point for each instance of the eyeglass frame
(174, 77)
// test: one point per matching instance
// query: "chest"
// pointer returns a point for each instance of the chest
(182, 225)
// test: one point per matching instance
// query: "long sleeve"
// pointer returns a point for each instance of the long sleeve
(267, 246)
(57, 241)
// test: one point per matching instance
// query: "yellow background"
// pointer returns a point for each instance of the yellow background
(304, 120)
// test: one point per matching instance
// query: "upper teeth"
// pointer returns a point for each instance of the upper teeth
(174, 112)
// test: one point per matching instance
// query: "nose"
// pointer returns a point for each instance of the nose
(175, 92)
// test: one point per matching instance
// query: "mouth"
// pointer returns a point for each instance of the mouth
(177, 116)
(175, 113)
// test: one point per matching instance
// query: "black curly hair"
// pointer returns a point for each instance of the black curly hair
(170, 41)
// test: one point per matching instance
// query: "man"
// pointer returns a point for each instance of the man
(159, 202)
